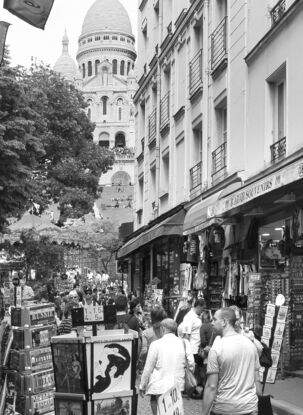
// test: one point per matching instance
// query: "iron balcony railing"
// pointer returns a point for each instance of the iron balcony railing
(195, 73)
(195, 175)
(278, 150)
(277, 11)
(219, 162)
(152, 127)
(164, 112)
(218, 44)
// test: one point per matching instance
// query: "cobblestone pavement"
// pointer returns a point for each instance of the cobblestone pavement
(191, 406)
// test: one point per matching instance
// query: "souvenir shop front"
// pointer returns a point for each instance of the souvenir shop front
(251, 255)
(159, 258)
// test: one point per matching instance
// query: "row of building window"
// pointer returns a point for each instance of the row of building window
(107, 37)
(123, 67)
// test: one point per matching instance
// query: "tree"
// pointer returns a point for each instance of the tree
(47, 151)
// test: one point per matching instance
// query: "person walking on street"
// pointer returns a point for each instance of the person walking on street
(191, 331)
(232, 371)
(165, 364)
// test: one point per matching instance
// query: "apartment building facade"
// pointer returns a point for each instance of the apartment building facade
(219, 148)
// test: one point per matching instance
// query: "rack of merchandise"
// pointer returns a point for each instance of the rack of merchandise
(29, 375)
(87, 385)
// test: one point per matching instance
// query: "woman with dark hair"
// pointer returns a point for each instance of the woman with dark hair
(116, 360)
(151, 334)
(135, 309)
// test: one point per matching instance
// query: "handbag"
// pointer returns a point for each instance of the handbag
(190, 381)
(264, 405)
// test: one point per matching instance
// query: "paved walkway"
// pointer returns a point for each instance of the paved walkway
(191, 406)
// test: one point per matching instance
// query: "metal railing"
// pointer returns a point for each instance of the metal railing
(195, 73)
(278, 150)
(218, 44)
(164, 112)
(152, 126)
(277, 11)
(195, 175)
(219, 162)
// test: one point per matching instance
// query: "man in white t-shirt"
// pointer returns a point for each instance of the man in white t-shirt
(232, 371)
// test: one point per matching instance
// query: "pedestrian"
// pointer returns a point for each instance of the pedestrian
(165, 364)
(191, 330)
(135, 309)
(125, 319)
(207, 338)
(158, 314)
(232, 370)
(65, 327)
(184, 310)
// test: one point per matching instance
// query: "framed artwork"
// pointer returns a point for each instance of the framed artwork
(268, 321)
(112, 406)
(282, 313)
(275, 359)
(69, 367)
(270, 310)
(271, 375)
(279, 330)
(69, 407)
(276, 346)
(111, 366)
(266, 332)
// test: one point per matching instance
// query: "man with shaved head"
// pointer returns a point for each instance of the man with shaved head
(232, 371)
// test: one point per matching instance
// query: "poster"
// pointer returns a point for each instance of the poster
(271, 375)
(171, 403)
(270, 310)
(112, 366)
(69, 368)
(282, 313)
(279, 330)
(69, 407)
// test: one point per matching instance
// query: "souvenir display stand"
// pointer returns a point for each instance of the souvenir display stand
(29, 375)
(95, 375)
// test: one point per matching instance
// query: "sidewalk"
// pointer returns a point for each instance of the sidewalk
(288, 396)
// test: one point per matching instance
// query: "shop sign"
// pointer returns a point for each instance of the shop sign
(263, 186)
(171, 403)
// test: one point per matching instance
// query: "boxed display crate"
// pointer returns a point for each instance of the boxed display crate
(41, 403)
(66, 405)
(33, 315)
(116, 403)
(27, 338)
(34, 360)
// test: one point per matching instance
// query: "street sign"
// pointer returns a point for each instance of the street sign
(171, 403)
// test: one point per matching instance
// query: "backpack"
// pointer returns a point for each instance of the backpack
(123, 324)
(265, 357)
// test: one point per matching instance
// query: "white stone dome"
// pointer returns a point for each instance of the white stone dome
(66, 65)
(106, 15)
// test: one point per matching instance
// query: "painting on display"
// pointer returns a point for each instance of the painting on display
(111, 367)
(69, 368)
(69, 407)
(120, 405)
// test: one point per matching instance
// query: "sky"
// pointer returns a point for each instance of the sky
(26, 41)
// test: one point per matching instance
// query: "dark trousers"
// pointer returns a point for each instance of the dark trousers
(199, 369)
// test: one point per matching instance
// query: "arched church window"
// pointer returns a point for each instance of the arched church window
(120, 106)
(97, 63)
(104, 75)
(128, 67)
(115, 66)
(120, 140)
(89, 68)
(104, 105)
(122, 64)
(83, 70)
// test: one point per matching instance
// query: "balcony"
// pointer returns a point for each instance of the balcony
(164, 114)
(152, 128)
(219, 163)
(195, 180)
(278, 150)
(124, 153)
(218, 47)
(195, 74)
(277, 12)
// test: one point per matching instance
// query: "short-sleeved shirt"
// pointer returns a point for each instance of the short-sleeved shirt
(234, 358)
(191, 326)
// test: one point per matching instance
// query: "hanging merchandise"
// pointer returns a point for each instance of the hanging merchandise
(216, 240)
(34, 12)
(200, 279)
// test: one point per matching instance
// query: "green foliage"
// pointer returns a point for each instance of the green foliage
(46, 149)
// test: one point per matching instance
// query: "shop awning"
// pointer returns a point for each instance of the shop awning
(170, 226)
(200, 216)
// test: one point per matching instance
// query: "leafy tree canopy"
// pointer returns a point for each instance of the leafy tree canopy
(46, 149)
